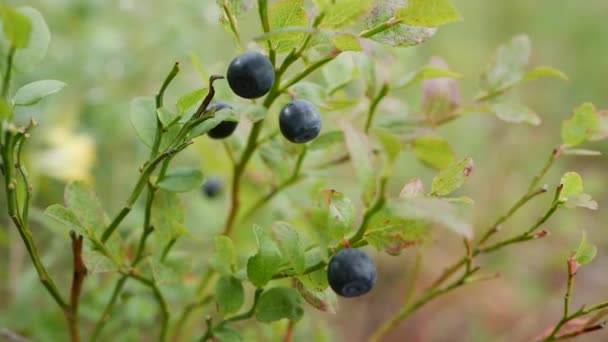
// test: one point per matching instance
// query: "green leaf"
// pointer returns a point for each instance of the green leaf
(572, 185)
(347, 42)
(361, 157)
(391, 234)
(290, 245)
(428, 13)
(582, 126)
(342, 13)
(143, 119)
(432, 210)
(339, 72)
(507, 67)
(229, 294)
(277, 156)
(224, 259)
(17, 26)
(32, 93)
(451, 178)
(572, 192)
(434, 152)
(84, 203)
(265, 264)
(166, 116)
(253, 112)
(585, 253)
(426, 72)
(168, 216)
(398, 35)
(514, 112)
(67, 217)
(602, 130)
(40, 36)
(340, 214)
(181, 180)
(325, 300)
(391, 144)
(190, 99)
(227, 334)
(312, 92)
(211, 123)
(543, 71)
(161, 273)
(284, 14)
(279, 303)
(325, 140)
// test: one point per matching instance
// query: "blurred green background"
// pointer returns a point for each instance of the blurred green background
(109, 52)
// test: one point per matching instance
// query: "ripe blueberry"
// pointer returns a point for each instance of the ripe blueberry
(300, 121)
(250, 75)
(351, 273)
(212, 187)
(225, 128)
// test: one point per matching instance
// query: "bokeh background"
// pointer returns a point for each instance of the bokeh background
(110, 51)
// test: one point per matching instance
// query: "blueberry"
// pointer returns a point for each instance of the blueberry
(250, 75)
(351, 273)
(212, 187)
(300, 121)
(225, 128)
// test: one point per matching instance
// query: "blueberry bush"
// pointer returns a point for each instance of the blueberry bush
(306, 94)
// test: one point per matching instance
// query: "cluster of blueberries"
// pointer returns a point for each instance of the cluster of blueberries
(251, 75)
(351, 272)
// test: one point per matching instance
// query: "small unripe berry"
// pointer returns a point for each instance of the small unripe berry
(225, 128)
(300, 121)
(351, 273)
(250, 75)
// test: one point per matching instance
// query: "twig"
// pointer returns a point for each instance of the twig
(11, 336)
(374, 104)
(80, 272)
(289, 333)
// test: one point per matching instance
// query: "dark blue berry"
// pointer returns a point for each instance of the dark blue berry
(300, 121)
(250, 75)
(225, 128)
(213, 187)
(351, 273)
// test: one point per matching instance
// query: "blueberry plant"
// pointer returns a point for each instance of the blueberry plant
(297, 126)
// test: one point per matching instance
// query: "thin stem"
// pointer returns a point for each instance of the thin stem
(411, 288)
(295, 176)
(105, 317)
(374, 105)
(164, 309)
(234, 26)
(310, 69)
(380, 28)
(263, 13)
(427, 297)
(289, 332)
(371, 211)
(246, 315)
(187, 311)
(8, 71)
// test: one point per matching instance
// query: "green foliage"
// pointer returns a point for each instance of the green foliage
(452, 177)
(34, 92)
(434, 152)
(428, 13)
(342, 13)
(181, 180)
(17, 26)
(264, 265)
(585, 253)
(224, 259)
(279, 303)
(582, 126)
(287, 13)
(572, 194)
(290, 244)
(230, 294)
